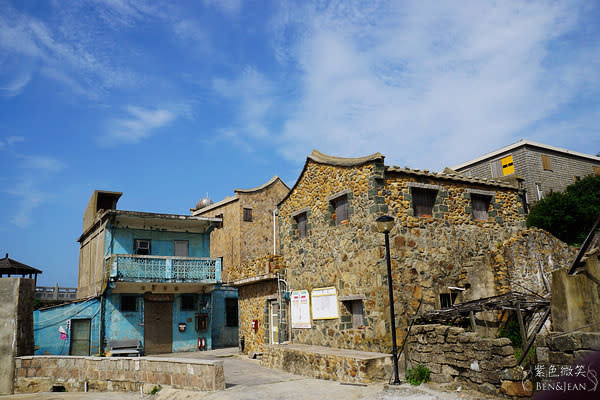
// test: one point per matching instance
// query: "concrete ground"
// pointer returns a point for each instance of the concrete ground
(247, 380)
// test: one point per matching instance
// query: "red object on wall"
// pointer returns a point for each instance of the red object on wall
(201, 343)
(255, 324)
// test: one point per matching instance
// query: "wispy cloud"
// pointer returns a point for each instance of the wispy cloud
(447, 81)
(35, 171)
(11, 140)
(254, 96)
(139, 124)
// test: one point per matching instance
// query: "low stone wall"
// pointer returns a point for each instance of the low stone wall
(329, 363)
(77, 374)
(566, 349)
(455, 355)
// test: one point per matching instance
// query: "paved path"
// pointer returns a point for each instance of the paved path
(246, 379)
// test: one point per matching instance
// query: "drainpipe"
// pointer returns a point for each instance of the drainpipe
(102, 323)
(275, 214)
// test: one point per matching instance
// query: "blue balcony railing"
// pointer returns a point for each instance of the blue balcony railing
(133, 268)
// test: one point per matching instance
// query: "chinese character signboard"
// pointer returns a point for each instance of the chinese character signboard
(300, 309)
(324, 303)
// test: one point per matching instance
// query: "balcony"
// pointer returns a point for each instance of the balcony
(164, 269)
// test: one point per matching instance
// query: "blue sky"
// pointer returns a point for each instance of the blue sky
(168, 101)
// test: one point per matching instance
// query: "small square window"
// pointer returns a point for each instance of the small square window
(423, 201)
(128, 303)
(340, 205)
(231, 312)
(301, 220)
(447, 299)
(188, 302)
(141, 246)
(596, 170)
(480, 205)
(248, 214)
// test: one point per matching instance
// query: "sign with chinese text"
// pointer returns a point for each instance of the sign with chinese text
(324, 303)
(300, 309)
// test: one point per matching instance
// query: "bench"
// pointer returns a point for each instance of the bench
(126, 347)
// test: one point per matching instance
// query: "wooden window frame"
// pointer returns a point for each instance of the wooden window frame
(247, 217)
(136, 247)
(302, 222)
(341, 209)
(478, 199)
(546, 163)
(447, 300)
(422, 193)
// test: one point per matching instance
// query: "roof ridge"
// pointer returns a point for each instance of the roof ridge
(322, 158)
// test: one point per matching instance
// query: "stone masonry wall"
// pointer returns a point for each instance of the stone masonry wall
(428, 254)
(451, 354)
(560, 349)
(41, 373)
(259, 266)
(257, 235)
(252, 301)
(530, 257)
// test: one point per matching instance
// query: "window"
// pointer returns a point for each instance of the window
(301, 220)
(480, 205)
(356, 307)
(502, 167)
(423, 201)
(540, 193)
(181, 248)
(128, 303)
(141, 247)
(248, 214)
(596, 170)
(188, 302)
(220, 224)
(546, 163)
(340, 205)
(231, 311)
(447, 299)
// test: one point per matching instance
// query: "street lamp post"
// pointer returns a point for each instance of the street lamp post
(385, 223)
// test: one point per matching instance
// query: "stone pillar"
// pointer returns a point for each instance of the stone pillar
(16, 327)
(575, 301)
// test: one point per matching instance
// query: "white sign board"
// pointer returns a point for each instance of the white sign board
(324, 303)
(300, 309)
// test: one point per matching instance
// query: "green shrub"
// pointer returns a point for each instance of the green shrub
(418, 375)
(512, 331)
(154, 390)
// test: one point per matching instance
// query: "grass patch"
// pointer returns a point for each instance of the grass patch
(419, 374)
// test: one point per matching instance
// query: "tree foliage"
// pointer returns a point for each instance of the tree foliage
(569, 215)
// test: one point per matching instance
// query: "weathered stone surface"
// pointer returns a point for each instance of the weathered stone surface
(589, 340)
(123, 374)
(511, 388)
(564, 342)
(557, 357)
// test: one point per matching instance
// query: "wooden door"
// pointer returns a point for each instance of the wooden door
(80, 337)
(158, 327)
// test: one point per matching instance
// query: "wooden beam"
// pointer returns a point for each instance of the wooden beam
(521, 325)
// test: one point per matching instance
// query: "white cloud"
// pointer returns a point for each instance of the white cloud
(255, 96)
(140, 124)
(29, 199)
(36, 171)
(10, 140)
(42, 163)
(427, 83)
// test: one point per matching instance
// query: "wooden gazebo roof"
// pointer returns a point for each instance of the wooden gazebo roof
(11, 267)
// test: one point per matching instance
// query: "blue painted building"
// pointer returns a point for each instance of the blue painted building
(148, 277)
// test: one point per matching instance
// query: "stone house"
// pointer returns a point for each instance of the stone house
(142, 276)
(447, 246)
(544, 168)
(248, 228)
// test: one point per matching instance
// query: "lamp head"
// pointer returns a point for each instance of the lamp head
(385, 223)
